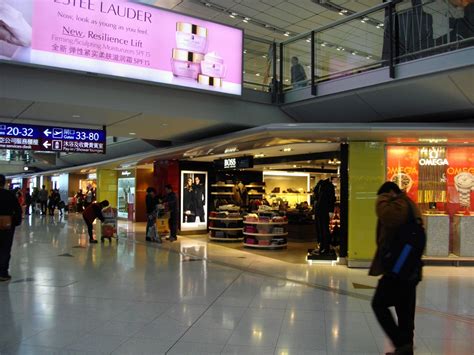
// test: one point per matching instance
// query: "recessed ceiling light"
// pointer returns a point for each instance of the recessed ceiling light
(25, 168)
(245, 51)
(232, 15)
(164, 124)
(287, 34)
(132, 133)
(258, 74)
(323, 44)
(260, 155)
(76, 116)
(294, 166)
(286, 150)
(246, 20)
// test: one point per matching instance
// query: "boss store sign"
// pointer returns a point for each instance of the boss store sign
(234, 163)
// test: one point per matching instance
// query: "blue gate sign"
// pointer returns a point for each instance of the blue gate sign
(52, 138)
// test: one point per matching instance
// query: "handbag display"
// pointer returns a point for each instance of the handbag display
(6, 223)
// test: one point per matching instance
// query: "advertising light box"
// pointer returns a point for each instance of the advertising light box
(123, 38)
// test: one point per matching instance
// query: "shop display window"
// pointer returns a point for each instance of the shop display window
(441, 180)
(126, 196)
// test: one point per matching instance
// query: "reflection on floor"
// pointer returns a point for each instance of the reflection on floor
(194, 297)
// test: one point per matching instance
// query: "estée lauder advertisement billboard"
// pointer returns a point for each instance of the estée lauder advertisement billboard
(123, 38)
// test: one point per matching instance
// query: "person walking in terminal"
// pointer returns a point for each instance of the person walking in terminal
(172, 206)
(151, 201)
(43, 199)
(394, 209)
(90, 214)
(10, 217)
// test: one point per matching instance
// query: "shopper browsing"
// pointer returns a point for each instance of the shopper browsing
(90, 214)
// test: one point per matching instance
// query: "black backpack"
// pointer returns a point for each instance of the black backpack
(402, 260)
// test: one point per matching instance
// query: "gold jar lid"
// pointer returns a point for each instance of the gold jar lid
(190, 28)
(209, 80)
(186, 56)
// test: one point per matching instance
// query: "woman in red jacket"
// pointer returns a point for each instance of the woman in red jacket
(91, 213)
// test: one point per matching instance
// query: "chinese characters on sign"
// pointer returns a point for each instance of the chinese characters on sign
(54, 139)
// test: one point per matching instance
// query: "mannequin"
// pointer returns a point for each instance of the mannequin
(240, 193)
(324, 200)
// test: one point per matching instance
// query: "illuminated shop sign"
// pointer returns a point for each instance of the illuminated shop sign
(234, 163)
(123, 38)
(433, 156)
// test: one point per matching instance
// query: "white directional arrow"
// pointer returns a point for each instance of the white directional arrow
(46, 144)
(47, 132)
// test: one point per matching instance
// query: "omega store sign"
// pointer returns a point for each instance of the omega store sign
(234, 163)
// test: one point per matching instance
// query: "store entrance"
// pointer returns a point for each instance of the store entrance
(270, 207)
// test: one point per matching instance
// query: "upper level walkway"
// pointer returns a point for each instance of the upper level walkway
(195, 297)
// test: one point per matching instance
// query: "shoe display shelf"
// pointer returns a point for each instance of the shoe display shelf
(226, 229)
(265, 233)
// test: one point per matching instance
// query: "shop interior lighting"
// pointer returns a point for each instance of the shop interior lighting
(132, 133)
(25, 168)
(260, 155)
(286, 150)
(258, 74)
(231, 150)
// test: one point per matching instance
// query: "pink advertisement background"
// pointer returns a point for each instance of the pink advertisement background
(159, 40)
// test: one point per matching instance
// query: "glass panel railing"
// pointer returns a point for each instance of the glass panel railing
(426, 28)
(297, 64)
(258, 64)
(372, 39)
(350, 47)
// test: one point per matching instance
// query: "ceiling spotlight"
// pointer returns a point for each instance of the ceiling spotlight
(267, 26)
(260, 155)
(264, 56)
(132, 133)
(233, 15)
(324, 44)
(369, 57)
(25, 168)
(286, 80)
(258, 74)
(207, 4)
(286, 150)
(286, 34)
(246, 20)
(353, 52)
(308, 40)
(364, 20)
(164, 124)
(76, 116)
(245, 51)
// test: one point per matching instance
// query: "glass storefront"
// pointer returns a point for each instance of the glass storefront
(441, 180)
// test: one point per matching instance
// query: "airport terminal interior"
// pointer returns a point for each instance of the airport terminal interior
(221, 176)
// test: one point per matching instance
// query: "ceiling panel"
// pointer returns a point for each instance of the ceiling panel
(154, 127)
(244, 10)
(301, 12)
(12, 108)
(465, 82)
(418, 97)
(49, 112)
(256, 5)
(283, 15)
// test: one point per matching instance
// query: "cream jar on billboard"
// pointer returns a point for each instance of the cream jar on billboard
(209, 80)
(213, 65)
(191, 37)
(186, 64)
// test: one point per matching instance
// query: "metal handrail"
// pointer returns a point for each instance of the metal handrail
(342, 21)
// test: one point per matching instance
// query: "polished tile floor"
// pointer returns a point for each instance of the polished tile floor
(191, 297)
